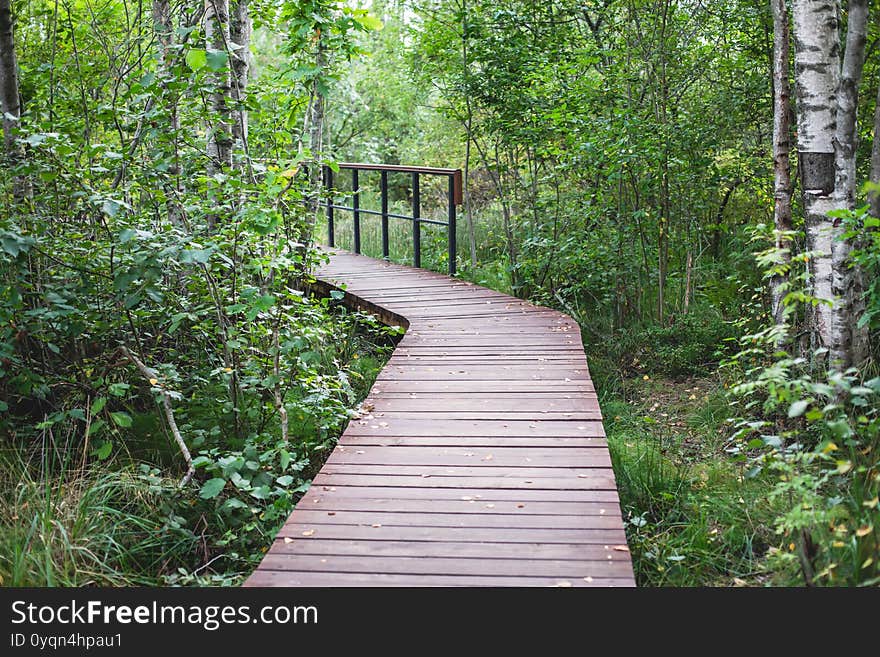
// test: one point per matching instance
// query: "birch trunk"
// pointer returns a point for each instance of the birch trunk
(219, 144)
(163, 25)
(847, 341)
(315, 130)
(240, 35)
(10, 102)
(874, 196)
(782, 189)
(817, 65)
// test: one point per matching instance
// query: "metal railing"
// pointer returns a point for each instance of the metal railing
(453, 197)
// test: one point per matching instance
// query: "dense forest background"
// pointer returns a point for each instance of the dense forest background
(688, 180)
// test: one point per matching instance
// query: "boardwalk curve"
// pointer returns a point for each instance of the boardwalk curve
(480, 460)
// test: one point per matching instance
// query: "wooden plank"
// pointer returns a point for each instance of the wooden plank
(530, 551)
(446, 534)
(462, 428)
(362, 501)
(487, 519)
(543, 442)
(479, 457)
(311, 579)
(473, 496)
(444, 565)
(588, 482)
(576, 457)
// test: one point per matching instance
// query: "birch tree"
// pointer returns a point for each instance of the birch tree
(240, 40)
(782, 189)
(827, 100)
(874, 196)
(848, 341)
(219, 143)
(10, 103)
(817, 65)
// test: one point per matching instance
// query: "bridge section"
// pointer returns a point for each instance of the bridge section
(479, 457)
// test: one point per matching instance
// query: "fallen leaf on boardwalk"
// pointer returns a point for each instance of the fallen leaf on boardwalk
(488, 458)
(582, 476)
(490, 506)
(588, 579)
(287, 539)
(331, 513)
(520, 506)
(621, 548)
(309, 532)
(376, 524)
(563, 584)
(467, 498)
(601, 512)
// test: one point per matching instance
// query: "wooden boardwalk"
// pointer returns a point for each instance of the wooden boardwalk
(479, 459)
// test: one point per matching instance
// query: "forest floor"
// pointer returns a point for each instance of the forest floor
(693, 517)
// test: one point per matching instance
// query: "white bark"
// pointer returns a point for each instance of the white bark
(10, 101)
(219, 146)
(847, 342)
(240, 35)
(875, 159)
(782, 189)
(163, 25)
(817, 73)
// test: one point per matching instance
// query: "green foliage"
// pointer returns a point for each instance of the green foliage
(814, 430)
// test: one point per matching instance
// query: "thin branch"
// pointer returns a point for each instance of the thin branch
(152, 378)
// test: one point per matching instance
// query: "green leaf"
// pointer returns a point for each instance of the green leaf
(121, 419)
(196, 59)
(98, 405)
(261, 493)
(104, 451)
(798, 408)
(338, 295)
(200, 256)
(285, 458)
(216, 59)
(118, 389)
(284, 480)
(233, 503)
(369, 22)
(212, 488)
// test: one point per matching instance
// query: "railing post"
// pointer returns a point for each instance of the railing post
(417, 227)
(384, 190)
(450, 236)
(356, 204)
(328, 185)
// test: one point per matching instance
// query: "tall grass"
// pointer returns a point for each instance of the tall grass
(65, 526)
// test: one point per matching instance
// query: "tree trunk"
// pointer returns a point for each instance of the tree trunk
(468, 126)
(782, 189)
(817, 64)
(315, 129)
(219, 146)
(874, 196)
(847, 341)
(10, 103)
(163, 24)
(240, 35)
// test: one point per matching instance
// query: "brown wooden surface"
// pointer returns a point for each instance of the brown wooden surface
(479, 457)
